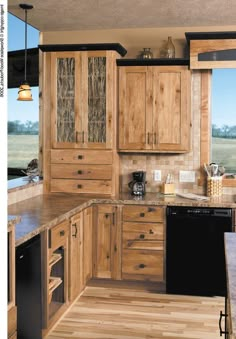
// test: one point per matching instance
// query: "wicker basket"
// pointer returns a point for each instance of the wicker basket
(214, 186)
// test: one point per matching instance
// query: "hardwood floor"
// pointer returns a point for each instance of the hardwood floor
(120, 313)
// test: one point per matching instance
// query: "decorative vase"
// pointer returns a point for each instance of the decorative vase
(147, 53)
(170, 48)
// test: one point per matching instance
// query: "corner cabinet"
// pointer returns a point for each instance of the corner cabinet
(154, 108)
(79, 106)
(107, 242)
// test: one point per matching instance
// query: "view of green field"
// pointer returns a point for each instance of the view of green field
(224, 153)
(21, 150)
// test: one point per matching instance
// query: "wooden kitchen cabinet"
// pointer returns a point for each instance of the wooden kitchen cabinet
(154, 108)
(87, 244)
(107, 249)
(143, 243)
(55, 273)
(80, 111)
(76, 281)
(11, 305)
(83, 99)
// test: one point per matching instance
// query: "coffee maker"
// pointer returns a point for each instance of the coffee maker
(137, 185)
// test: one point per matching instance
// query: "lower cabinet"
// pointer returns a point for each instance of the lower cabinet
(143, 243)
(11, 307)
(76, 279)
(107, 249)
(55, 273)
(80, 254)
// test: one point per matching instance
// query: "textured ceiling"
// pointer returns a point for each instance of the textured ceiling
(66, 15)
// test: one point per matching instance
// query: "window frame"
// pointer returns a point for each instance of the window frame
(205, 127)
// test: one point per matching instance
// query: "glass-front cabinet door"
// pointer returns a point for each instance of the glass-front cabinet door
(81, 100)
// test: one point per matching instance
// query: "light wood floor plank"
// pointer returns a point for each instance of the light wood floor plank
(119, 313)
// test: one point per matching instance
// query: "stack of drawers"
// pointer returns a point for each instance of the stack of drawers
(81, 171)
(143, 243)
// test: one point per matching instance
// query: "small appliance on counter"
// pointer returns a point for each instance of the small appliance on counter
(137, 185)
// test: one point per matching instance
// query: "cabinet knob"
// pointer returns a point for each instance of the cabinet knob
(80, 172)
(151, 232)
(79, 186)
(142, 215)
(141, 266)
(80, 157)
(62, 233)
(151, 209)
(142, 236)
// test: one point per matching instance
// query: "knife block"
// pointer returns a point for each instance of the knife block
(168, 188)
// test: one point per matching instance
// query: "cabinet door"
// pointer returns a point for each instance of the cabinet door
(107, 242)
(135, 108)
(97, 72)
(66, 98)
(87, 246)
(76, 256)
(171, 108)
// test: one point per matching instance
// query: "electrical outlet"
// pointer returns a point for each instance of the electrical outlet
(186, 176)
(157, 175)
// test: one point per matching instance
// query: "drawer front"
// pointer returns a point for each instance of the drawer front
(58, 235)
(81, 186)
(142, 245)
(81, 157)
(144, 263)
(143, 213)
(73, 171)
(12, 316)
(143, 231)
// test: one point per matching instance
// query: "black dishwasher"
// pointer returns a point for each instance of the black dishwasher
(28, 289)
(195, 260)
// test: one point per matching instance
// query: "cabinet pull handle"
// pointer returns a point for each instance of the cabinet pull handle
(221, 316)
(80, 157)
(62, 233)
(141, 266)
(155, 138)
(79, 186)
(83, 137)
(76, 230)
(151, 209)
(113, 218)
(151, 232)
(142, 236)
(142, 214)
(80, 172)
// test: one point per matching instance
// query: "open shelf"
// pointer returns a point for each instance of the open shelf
(55, 257)
(54, 282)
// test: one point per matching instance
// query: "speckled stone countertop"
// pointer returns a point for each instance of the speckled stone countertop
(230, 254)
(13, 220)
(44, 211)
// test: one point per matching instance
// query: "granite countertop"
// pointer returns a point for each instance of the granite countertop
(230, 254)
(13, 220)
(46, 210)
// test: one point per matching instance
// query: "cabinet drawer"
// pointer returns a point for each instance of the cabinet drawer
(81, 186)
(142, 263)
(73, 171)
(81, 157)
(58, 235)
(143, 231)
(143, 213)
(12, 316)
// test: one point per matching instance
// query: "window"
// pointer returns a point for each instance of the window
(23, 117)
(223, 112)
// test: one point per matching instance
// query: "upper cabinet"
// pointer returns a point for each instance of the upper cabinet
(154, 108)
(82, 96)
(82, 84)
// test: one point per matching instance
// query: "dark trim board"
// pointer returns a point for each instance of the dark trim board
(84, 47)
(209, 35)
(153, 62)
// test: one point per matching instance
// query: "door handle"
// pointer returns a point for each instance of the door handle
(221, 316)
(76, 230)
